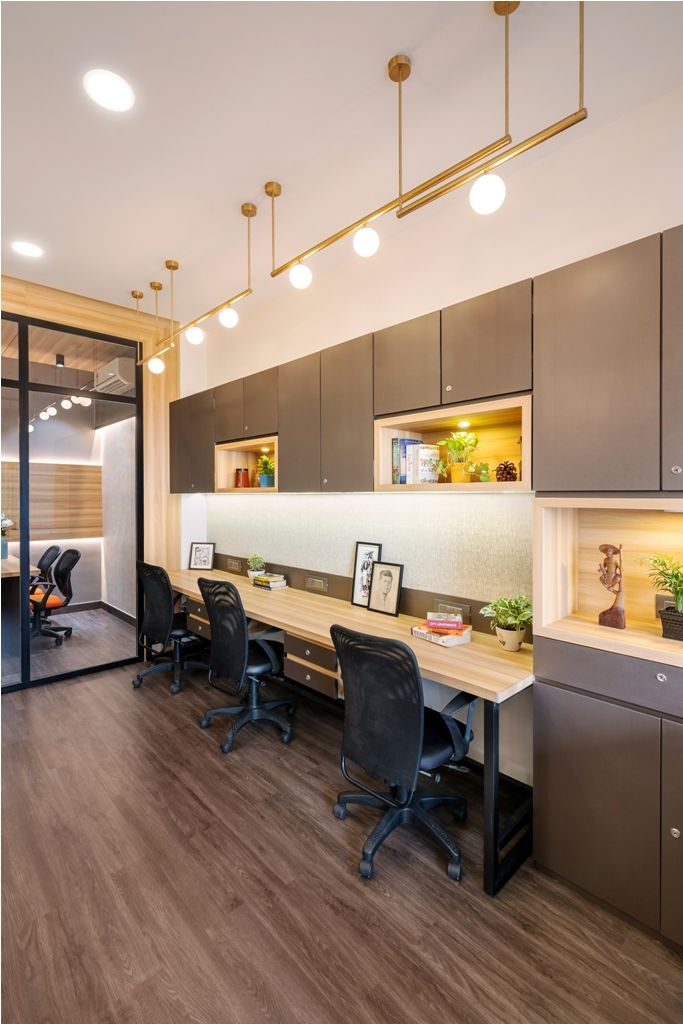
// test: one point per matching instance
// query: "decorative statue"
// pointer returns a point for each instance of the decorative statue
(609, 571)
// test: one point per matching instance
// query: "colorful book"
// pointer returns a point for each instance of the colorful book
(427, 462)
(395, 461)
(275, 585)
(404, 444)
(442, 627)
(269, 577)
(443, 616)
(463, 637)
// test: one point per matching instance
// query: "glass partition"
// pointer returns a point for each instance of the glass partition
(10, 350)
(11, 533)
(86, 364)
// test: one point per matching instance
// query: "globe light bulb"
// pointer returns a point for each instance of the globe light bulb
(366, 242)
(44, 414)
(300, 275)
(195, 335)
(52, 411)
(487, 194)
(30, 428)
(229, 317)
(156, 365)
(86, 401)
(66, 403)
(76, 399)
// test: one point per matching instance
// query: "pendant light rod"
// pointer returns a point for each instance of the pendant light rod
(581, 53)
(273, 189)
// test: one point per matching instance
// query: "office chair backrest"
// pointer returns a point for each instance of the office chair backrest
(229, 630)
(157, 620)
(47, 560)
(62, 572)
(383, 706)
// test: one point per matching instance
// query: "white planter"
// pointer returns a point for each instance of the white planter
(255, 572)
(510, 639)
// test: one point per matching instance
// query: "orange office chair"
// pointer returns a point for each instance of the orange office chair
(44, 600)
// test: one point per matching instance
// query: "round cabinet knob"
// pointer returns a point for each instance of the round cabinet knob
(324, 480)
(307, 653)
(676, 833)
(308, 677)
(676, 470)
(661, 678)
(246, 427)
(199, 628)
(449, 387)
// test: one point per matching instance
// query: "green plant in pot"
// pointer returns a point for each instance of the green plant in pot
(510, 617)
(256, 564)
(666, 574)
(479, 472)
(460, 447)
(265, 467)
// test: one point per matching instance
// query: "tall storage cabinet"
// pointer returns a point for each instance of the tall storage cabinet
(191, 444)
(597, 372)
(672, 831)
(672, 359)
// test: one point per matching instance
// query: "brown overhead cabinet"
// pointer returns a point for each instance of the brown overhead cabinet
(597, 372)
(247, 407)
(672, 359)
(299, 425)
(408, 365)
(672, 831)
(486, 345)
(346, 420)
(191, 444)
(228, 411)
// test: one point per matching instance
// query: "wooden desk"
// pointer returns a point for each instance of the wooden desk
(11, 605)
(479, 668)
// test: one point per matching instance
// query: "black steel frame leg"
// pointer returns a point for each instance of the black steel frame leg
(497, 869)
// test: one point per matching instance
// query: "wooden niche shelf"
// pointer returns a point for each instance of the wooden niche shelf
(568, 596)
(244, 455)
(503, 427)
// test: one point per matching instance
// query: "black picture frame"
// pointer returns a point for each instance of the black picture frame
(199, 554)
(362, 571)
(386, 602)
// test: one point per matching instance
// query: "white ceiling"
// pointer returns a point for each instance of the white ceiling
(232, 94)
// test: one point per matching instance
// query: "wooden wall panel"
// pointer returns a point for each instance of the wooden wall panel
(65, 500)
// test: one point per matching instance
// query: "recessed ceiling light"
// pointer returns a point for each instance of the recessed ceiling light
(27, 249)
(108, 90)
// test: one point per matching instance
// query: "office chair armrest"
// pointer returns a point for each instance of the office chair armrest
(460, 700)
(48, 589)
(267, 650)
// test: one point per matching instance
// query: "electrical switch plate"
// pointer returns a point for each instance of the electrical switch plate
(455, 609)
(234, 565)
(318, 583)
(661, 601)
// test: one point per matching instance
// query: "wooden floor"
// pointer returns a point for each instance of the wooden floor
(148, 879)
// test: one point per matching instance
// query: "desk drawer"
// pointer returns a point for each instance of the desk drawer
(199, 626)
(324, 657)
(196, 609)
(308, 676)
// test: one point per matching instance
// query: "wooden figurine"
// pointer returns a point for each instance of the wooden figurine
(609, 571)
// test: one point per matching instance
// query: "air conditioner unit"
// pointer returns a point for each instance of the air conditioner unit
(116, 377)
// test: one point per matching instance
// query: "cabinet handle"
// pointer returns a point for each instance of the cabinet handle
(449, 387)
(676, 470)
(661, 678)
(307, 653)
(325, 480)
(308, 677)
(676, 833)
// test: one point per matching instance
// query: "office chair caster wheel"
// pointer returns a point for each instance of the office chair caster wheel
(67, 633)
(137, 683)
(226, 747)
(176, 688)
(288, 736)
(204, 722)
(454, 870)
(460, 813)
(291, 708)
(340, 811)
(59, 641)
(366, 869)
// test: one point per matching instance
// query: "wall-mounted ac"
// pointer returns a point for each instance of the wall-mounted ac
(116, 377)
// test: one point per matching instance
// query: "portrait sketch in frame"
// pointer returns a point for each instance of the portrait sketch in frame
(385, 587)
(366, 554)
(201, 555)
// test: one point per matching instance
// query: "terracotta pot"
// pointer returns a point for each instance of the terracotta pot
(510, 639)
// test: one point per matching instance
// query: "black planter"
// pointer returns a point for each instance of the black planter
(672, 623)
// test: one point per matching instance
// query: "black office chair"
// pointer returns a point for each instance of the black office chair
(162, 625)
(239, 659)
(45, 600)
(44, 565)
(390, 734)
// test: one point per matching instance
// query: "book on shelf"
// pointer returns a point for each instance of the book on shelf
(275, 585)
(443, 640)
(443, 627)
(404, 444)
(395, 460)
(269, 577)
(444, 616)
(421, 463)
(269, 581)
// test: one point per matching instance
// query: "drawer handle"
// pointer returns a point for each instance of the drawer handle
(199, 628)
(449, 387)
(676, 470)
(324, 480)
(307, 653)
(676, 833)
(308, 677)
(661, 678)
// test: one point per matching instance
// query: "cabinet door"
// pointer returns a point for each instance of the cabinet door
(672, 831)
(191, 443)
(596, 372)
(408, 365)
(486, 345)
(260, 404)
(346, 419)
(228, 414)
(596, 798)
(299, 425)
(672, 359)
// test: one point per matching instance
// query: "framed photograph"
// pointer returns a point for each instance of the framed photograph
(201, 555)
(385, 587)
(366, 555)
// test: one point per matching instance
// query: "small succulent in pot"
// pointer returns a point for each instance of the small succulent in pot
(265, 468)
(255, 565)
(510, 617)
(666, 574)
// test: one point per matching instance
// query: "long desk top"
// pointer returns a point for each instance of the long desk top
(480, 667)
(11, 568)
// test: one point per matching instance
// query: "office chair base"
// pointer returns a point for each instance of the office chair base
(414, 813)
(253, 710)
(165, 665)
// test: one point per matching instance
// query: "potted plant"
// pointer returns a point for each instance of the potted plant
(265, 467)
(256, 564)
(460, 447)
(6, 525)
(667, 575)
(510, 617)
(479, 472)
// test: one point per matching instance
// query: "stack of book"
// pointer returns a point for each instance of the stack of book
(269, 581)
(444, 629)
(413, 462)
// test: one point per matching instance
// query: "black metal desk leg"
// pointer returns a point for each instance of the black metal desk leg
(491, 794)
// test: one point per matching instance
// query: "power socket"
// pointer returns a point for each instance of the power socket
(661, 602)
(234, 565)
(464, 610)
(318, 583)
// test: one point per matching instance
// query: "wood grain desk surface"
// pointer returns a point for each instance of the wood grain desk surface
(480, 667)
(10, 568)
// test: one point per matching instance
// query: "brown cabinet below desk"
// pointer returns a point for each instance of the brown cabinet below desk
(316, 654)
(314, 678)
(199, 626)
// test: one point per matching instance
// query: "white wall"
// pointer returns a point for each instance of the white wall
(117, 441)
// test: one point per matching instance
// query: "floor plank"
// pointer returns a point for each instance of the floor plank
(149, 878)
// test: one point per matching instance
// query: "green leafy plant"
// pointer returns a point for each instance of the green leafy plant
(480, 469)
(256, 563)
(266, 465)
(6, 524)
(460, 446)
(509, 612)
(667, 574)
